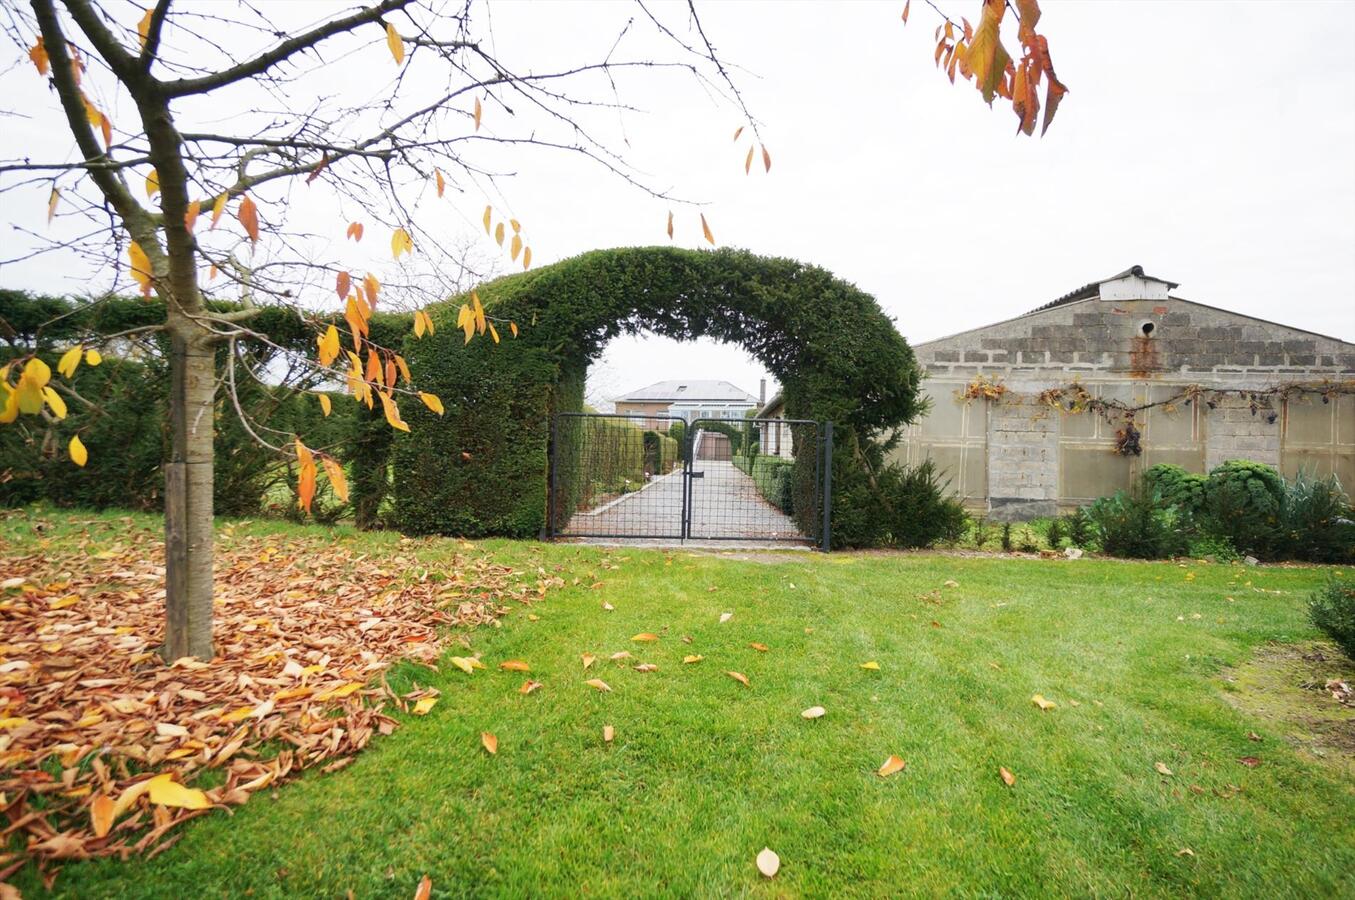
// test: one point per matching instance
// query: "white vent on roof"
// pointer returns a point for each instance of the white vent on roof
(1133, 286)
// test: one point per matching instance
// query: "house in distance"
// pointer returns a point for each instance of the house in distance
(688, 400)
(1070, 401)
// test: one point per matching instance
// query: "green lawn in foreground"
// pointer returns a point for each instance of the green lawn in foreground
(704, 772)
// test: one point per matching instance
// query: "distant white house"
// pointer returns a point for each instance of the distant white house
(687, 400)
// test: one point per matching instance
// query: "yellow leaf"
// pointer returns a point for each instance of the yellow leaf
(526, 258)
(79, 455)
(424, 704)
(165, 791)
(489, 742)
(54, 402)
(814, 712)
(1162, 768)
(498, 234)
(748, 162)
(190, 216)
(588, 660)
(693, 658)
(52, 199)
(1007, 777)
(514, 665)
(325, 406)
(336, 478)
(516, 225)
(761, 648)
(739, 677)
(705, 229)
(515, 246)
(463, 664)
(599, 684)
(418, 324)
(93, 357)
(1041, 702)
(487, 218)
(397, 46)
(872, 666)
(236, 715)
(340, 692)
(218, 208)
(403, 367)
(141, 267)
(392, 413)
(670, 225)
(143, 30)
(101, 815)
(890, 766)
(431, 401)
(63, 602)
(513, 326)
(70, 360)
(768, 863)
(329, 346)
(478, 112)
(644, 637)
(152, 183)
(303, 454)
(372, 287)
(608, 734)
(401, 242)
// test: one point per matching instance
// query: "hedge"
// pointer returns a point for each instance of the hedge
(482, 468)
(662, 453)
(774, 478)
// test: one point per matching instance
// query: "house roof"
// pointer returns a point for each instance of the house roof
(1093, 289)
(687, 391)
(775, 403)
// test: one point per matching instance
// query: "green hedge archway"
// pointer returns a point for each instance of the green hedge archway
(481, 469)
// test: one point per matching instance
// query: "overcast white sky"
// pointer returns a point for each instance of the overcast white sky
(1211, 143)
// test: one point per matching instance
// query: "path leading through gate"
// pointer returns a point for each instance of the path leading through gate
(613, 477)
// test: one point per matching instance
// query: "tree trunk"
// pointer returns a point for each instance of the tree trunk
(188, 494)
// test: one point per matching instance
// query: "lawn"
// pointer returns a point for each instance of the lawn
(703, 771)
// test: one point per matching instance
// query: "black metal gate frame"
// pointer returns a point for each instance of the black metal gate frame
(822, 465)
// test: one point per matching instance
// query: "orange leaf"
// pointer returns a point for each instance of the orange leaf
(513, 326)
(305, 486)
(442, 183)
(761, 648)
(1007, 777)
(748, 162)
(248, 215)
(608, 733)
(705, 229)
(425, 889)
(670, 225)
(372, 287)
(906, 5)
(529, 686)
(354, 231)
(739, 677)
(477, 113)
(341, 285)
(738, 131)
(489, 742)
(190, 216)
(766, 159)
(890, 766)
(392, 413)
(514, 665)
(101, 815)
(38, 54)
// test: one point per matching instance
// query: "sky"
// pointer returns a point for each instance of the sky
(1211, 143)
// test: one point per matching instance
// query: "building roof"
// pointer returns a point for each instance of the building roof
(688, 391)
(1093, 289)
(772, 405)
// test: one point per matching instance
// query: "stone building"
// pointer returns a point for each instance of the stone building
(1070, 401)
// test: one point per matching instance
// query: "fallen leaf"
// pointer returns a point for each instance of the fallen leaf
(424, 704)
(425, 888)
(607, 606)
(588, 660)
(101, 814)
(768, 863)
(1253, 736)
(951, 583)
(692, 658)
(761, 648)
(1185, 851)
(725, 617)
(165, 791)
(890, 766)
(620, 655)
(1250, 762)
(514, 665)
(646, 667)
(489, 742)
(1162, 768)
(645, 637)
(814, 712)
(608, 733)
(872, 666)
(1007, 777)
(529, 686)
(599, 684)
(739, 677)
(1041, 702)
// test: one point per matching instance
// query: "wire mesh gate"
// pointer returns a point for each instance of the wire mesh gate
(661, 477)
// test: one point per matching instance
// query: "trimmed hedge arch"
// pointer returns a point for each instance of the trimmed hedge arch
(481, 470)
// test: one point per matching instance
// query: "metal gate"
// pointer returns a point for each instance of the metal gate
(663, 478)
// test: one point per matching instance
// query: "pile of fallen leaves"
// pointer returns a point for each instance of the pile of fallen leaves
(101, 741)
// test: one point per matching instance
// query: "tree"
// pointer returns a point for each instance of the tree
(382, 154)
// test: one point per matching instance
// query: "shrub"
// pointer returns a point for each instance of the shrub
(1177, 488)
(1054, 533)
(1132, 524)
(1028, 543)
(917, 507)
(661, 453)
(1080, 528)
(774, 478)
(1243, 502)
(1332, 610)
(1209, 546)
(980, 531)
(1316, 521)
(1007, 537)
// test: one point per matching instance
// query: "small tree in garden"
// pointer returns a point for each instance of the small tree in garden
(387, 111)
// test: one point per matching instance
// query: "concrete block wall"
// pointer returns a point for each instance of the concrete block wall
(1105, 342)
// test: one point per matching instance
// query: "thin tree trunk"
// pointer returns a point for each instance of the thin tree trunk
(188, 496)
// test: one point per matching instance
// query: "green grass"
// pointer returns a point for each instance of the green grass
(704, 772)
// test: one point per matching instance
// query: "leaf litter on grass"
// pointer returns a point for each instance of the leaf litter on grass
(100, 741)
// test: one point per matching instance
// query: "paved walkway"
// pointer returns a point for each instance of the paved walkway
(725, 504)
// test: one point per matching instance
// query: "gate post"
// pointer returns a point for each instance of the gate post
(827, 531)
(551, 450)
